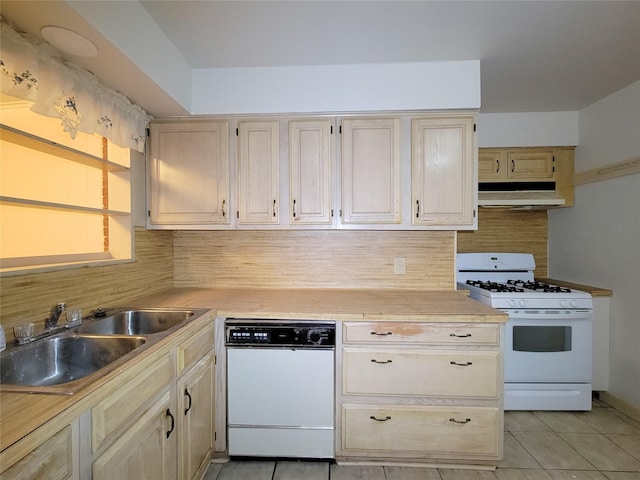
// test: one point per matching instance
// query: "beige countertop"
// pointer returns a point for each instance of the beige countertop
(331, 304)
(22, 413)
(594, 291)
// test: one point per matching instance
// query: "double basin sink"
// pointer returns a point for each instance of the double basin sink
(65, 362)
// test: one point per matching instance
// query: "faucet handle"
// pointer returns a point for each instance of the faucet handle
(61, 306)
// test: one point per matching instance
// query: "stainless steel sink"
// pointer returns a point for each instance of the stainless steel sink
(63, 364)
(136, 322)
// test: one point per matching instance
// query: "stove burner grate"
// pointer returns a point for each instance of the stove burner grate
(538, 286)
(495, 286)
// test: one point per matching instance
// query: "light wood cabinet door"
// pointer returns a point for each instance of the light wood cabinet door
(454, 432)
(530, 165)
(371, 173)
(258, 172)
(492, 166)
(428, 373)
(310, 172)
(195, 409)
(443, 171)
(189, 173)
(54, 459)
(147, 450)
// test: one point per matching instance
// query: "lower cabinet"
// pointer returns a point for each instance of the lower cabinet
(427, 393)
(56, 458)
(159, 424)
(147, 450)
(195, 413)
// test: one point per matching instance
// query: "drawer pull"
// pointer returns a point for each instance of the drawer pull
(461, 364)
(382, 334)
(372, 417)
(173, 422)
(466, 335)
(373, 360)
(466, 420)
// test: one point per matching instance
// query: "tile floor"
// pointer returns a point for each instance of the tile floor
(603, 444)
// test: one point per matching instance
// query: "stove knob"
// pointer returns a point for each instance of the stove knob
(564, 303)
(522, 303)
(574, 303)
(512, 303)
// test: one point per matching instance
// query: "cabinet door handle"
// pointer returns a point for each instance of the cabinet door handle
(417, 208)
(461, 364)
(513, 166)
(294, 208)
(497, 166)
(224, 204)
(188, 395)
(373, 360)
(466, 420)
(466, 335)
(274, 208)
(173, 422)
(382, 334)
(372, 417)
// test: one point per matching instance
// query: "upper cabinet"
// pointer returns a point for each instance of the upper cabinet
(310, 172)
(394, 172)
(258, 173)
(443, 171)
(189, 174)
(518, 165)
(530, 176)
(371, 173)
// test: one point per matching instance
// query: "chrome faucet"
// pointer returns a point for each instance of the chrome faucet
(56, 311)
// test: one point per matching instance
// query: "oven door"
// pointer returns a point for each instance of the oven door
(548, 346)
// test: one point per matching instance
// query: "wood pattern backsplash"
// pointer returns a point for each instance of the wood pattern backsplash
(30, 297)
(312, 259)
(512, 231)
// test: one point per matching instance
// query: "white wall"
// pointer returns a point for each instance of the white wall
(597, 242)
(337, 88)
(530, 129)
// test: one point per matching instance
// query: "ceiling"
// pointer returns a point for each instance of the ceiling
(534, 55)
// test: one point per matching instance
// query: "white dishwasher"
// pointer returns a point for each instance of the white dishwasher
(280, 388)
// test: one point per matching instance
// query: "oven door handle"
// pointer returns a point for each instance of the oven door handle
(466, 364)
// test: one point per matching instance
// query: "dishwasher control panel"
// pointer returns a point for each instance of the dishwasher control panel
(269, 333)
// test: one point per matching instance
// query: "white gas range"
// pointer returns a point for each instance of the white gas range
(548, 337)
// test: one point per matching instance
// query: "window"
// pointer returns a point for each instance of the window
(62, 201)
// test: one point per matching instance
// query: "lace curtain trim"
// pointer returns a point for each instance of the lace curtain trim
(33, 70)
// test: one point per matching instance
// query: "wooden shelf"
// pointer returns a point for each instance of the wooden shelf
(34, 142)
(60, 206)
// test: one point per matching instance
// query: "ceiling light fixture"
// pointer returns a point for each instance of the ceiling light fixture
(69, 41)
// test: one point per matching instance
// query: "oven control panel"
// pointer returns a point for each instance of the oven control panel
(274, 334)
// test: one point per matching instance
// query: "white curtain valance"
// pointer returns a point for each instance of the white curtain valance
(33, 70)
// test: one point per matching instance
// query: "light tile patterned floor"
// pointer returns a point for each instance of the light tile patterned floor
(603, 444)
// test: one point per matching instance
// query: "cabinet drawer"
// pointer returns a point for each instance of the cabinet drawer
(112, 412)
(452, 431)
(193, 349)
(421, 373)
(421, 333)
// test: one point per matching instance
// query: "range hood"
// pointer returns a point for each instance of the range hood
(520, 199)
(519, 194)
